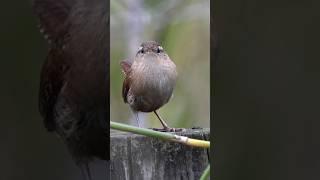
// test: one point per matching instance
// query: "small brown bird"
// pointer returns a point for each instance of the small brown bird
(149, 80)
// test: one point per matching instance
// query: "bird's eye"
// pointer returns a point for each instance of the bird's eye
(160, 49)
(140, 50)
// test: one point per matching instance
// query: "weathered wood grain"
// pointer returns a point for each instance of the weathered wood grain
(136, 157)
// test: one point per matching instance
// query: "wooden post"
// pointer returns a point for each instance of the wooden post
(136, 157)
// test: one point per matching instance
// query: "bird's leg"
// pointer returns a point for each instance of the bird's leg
(165, 126)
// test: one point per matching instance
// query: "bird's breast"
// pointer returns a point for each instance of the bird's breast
(152, 85)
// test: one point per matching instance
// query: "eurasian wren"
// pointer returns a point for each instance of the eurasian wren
(149, 80)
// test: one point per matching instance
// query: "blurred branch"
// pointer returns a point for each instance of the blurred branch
(186, 11)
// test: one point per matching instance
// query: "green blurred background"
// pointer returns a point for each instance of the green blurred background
(182, 28)
(27, 150)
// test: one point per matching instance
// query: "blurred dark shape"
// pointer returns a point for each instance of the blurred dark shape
(266, 90)
(149, 80)
(74, 85)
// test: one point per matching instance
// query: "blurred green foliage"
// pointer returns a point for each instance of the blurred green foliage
(182, 28)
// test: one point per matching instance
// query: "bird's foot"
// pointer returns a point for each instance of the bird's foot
(168, 129)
